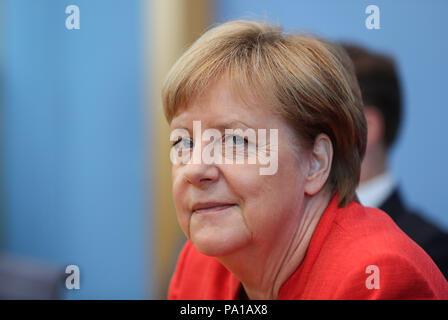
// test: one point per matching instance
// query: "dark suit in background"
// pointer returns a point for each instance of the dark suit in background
(428, 236)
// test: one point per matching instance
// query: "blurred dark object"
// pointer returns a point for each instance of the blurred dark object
(29, 280)
(380, 87)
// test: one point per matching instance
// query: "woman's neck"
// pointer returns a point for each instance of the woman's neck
(264, 269)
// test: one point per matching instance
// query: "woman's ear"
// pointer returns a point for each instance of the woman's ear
(320, 164)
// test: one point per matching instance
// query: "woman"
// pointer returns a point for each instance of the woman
(297, 232)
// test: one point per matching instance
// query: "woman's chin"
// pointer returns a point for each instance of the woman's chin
(219, 234)
(218, 245)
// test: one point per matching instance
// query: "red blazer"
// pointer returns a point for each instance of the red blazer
(345, 243)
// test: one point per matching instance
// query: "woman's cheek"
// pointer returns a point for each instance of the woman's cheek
(183, 220)
(182, 213)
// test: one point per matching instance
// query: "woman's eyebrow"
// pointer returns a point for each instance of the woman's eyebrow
(221, 126)
(180, 127)
(232, 124)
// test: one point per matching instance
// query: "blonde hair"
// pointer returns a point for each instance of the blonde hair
(309, 81)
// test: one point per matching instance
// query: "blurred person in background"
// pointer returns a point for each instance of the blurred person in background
(381, 93)
(300, 232)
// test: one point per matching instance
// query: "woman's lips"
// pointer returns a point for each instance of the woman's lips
(211, 207)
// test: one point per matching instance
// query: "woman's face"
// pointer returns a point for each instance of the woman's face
(223, 207)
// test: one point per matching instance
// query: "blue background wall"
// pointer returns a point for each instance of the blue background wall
(415, 33)
(73, 131)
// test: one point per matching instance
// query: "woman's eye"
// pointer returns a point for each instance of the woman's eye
(235, 140)
(183, 143)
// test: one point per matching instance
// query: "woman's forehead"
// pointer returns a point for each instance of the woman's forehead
(227, 103)
(224, 116)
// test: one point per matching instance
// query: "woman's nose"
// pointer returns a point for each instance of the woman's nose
(201, 175)
(198, 171)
